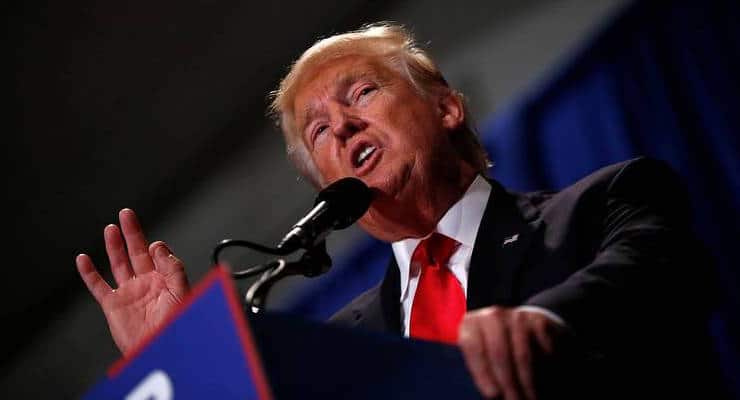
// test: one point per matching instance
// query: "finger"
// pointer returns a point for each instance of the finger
(135, 242)
(119, 263)
(470, 341)
(544, 334)
(498, 351)
(94, 282)
(165, 262)
(521, 343)
(169, 266)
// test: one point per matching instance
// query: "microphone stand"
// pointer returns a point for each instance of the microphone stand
(314, 261)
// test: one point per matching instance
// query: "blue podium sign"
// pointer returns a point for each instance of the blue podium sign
(204, 350)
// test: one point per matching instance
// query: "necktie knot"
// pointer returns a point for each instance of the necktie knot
(435, 251)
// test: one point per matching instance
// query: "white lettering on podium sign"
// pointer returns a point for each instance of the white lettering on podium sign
(156, 386)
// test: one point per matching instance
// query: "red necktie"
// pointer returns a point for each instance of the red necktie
(439, 301)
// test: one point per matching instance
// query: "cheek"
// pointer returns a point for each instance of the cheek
(412, 119)
(326, 162)
(324, 167)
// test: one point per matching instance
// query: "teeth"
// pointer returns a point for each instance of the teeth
(365, 154)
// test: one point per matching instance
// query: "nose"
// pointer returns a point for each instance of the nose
(347, 124)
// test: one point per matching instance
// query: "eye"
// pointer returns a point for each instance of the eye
(366, 90)
(363, 92)
(318, 130)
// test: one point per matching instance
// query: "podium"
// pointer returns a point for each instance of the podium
(207, 349)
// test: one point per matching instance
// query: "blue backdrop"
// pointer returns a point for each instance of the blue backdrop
(661, 79)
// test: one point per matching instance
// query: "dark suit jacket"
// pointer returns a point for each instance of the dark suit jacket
(613, 256)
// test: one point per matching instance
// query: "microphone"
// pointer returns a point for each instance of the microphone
(338, 206)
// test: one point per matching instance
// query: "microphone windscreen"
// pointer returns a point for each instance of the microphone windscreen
(348, 199)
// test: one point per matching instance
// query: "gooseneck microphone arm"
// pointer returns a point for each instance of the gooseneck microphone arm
(314, 262)
(254, 270)
(336, 207)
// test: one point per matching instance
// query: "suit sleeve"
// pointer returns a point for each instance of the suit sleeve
(639, 276)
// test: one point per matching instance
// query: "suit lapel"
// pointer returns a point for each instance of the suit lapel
(503, 238)
(383, 312)
(390, 298)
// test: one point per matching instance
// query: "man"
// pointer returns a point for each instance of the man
(583, 282)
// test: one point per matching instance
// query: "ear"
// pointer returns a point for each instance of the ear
(452, 110)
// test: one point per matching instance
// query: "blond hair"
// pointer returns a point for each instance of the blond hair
(390, 42)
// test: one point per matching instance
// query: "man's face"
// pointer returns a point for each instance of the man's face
(359, 117)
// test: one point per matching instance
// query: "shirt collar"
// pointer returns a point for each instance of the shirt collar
(460, 222)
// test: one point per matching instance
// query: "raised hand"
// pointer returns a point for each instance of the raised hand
(151, 282)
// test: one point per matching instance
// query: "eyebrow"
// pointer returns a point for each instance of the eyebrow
(349, 79)
(310, 111)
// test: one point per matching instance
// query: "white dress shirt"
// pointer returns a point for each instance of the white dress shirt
(460, 222)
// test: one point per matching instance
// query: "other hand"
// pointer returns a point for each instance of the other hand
(501, 346)
(151, 282)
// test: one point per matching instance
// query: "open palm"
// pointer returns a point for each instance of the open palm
(151, 282)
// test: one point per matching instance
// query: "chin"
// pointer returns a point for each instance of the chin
(380, 225)
(388, 218)
(391, 183)
(390, 222)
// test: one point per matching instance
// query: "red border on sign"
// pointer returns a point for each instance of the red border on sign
(249, 348)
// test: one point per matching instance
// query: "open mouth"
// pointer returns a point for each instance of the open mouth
(364, 157)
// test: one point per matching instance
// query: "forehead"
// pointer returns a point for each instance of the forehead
(333, 74)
